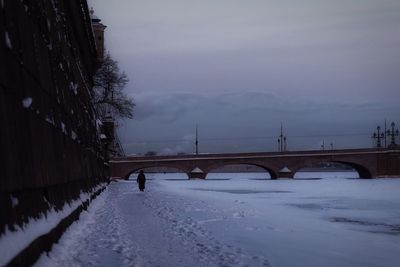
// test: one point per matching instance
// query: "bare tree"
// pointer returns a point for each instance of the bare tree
(108, 94)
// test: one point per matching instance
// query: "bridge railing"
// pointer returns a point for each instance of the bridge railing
(255, 154)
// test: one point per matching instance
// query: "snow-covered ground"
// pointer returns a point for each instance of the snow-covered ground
(243, 221)
(13, 242)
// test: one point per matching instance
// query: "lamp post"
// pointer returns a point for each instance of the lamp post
(392, 133)
(284, 143)
(378, 136)
(385, 133)
(281, 141)
(197, 141)
(279, 144)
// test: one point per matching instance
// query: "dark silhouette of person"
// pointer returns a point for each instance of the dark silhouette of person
(141, 179)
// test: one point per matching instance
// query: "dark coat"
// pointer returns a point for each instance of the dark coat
(141, 179)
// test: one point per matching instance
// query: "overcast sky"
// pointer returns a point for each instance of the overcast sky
(329, 70)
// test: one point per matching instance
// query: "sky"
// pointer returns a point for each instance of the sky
(328, 70)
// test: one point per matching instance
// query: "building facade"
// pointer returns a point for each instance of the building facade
(98, 32)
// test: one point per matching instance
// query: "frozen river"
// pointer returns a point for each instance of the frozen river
(238, 220)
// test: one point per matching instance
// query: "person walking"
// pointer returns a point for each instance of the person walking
(141, 179)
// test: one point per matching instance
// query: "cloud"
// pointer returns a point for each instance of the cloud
(249, 121)
(172, 107)
(239, 68)
(166, 108)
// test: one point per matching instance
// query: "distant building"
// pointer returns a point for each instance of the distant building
(110, 137)
(98, 32)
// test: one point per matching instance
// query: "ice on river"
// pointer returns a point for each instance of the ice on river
(237, 220)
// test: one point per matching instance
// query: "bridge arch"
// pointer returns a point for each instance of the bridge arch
(270, 171)
(363, 172)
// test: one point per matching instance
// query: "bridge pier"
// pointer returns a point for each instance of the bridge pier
(285, 175)
(285, 172)
(197, 175)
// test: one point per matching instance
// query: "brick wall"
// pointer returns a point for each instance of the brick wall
(49, 147)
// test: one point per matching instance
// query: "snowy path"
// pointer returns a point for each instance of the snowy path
(238, 222)
(125, 227)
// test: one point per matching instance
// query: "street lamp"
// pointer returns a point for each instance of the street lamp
(392, 133)
(284, 143)
(196, 143)
(279, 144)
(378, 136)
(281, 141)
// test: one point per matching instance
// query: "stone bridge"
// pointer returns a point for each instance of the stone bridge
(369, 163)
